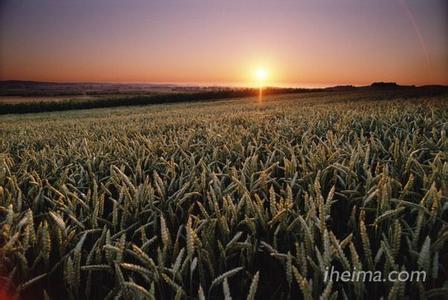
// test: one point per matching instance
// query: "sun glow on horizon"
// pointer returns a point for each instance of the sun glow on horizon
(261, 75)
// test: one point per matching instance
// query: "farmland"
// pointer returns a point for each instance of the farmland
(233, 198)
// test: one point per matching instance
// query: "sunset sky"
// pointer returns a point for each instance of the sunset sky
(297, 42)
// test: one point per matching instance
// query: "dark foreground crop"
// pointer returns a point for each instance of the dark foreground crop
(235, 198)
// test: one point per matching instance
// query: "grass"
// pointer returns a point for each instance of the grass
(226, 199)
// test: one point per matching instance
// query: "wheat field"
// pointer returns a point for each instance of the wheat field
(228, 199)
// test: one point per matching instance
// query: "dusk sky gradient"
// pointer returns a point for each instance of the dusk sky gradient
(300, 43)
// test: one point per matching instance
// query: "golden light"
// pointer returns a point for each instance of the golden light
(261, 75)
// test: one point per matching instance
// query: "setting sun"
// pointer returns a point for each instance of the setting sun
(261, 74)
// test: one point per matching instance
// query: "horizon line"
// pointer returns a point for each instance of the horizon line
(225, 85)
